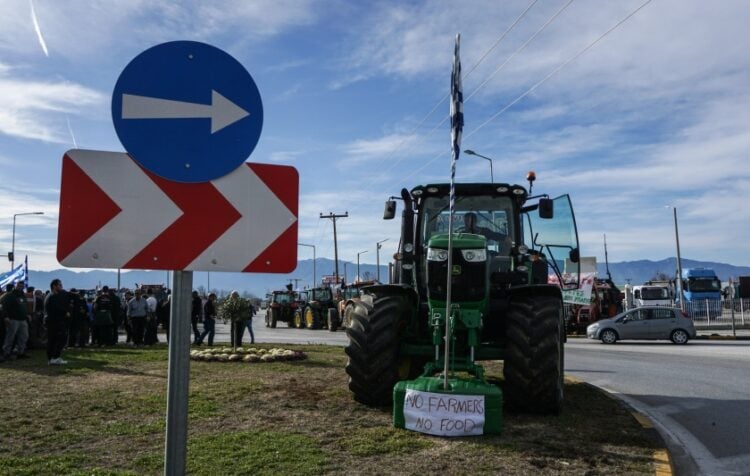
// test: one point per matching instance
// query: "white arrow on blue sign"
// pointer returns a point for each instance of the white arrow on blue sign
(187, 111)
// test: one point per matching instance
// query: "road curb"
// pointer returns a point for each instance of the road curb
(662, 459)
(720, 337)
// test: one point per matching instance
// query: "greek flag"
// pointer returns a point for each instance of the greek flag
(11, 277)
(457, 104)
(457, 125)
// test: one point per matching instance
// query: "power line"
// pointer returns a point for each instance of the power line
(534, 87)
(556, 70)
(526, 43)
(447, 96)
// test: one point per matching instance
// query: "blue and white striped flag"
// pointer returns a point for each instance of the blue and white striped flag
(457, 125)
(457, 117)
(11, 277)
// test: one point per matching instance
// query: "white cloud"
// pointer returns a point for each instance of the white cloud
(284, 156)
(31, 108)
(78, 29)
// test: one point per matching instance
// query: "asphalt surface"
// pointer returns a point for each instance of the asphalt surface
(698, 395)
(282, 334)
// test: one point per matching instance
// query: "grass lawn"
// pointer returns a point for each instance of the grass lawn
(104, 414)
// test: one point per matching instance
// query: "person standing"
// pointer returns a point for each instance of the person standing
(195, 315)
(137, 311)
(234, 309)
(57, 318)
(103, 318)
(16, 322)
(209, 320)
(116, 312)
(251, 313)
(3, 315)
(151, 323)
(165, 307)
(79, 322)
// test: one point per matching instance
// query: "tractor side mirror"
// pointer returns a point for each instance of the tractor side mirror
(546, 208)
(390, 210)
(574, 255)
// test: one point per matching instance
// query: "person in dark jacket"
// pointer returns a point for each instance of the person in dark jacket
(79, 323)
(103, 318)
(116, 313)
(195, 315)
(16, 322)
(209, 320)
(57, 318)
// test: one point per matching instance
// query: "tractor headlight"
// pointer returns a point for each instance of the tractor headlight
(436, 254)
(474, 256)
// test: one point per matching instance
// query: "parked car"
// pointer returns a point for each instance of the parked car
(648, 322)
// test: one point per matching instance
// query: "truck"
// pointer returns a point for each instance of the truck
(701, 290)
(652, 295)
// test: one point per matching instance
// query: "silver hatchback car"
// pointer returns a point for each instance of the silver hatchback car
(650, 322)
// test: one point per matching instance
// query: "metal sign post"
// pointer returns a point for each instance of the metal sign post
(175, 452)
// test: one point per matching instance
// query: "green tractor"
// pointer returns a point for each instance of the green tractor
(504, 244)
(315, 313)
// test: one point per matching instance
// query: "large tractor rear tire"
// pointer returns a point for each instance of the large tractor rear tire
(534, 366)
(373, 349)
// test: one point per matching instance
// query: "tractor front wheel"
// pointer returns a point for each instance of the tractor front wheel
(373, 349)
(533, 366)
(274, 317)
(311, 318)
(299, 320)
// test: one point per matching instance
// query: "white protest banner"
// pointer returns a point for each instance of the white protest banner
(582, 295)
(444, 415)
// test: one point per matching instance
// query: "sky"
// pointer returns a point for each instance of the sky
(355, 94)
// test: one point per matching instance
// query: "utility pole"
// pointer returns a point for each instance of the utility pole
(379, 245)
(333, 217)
(295, 280)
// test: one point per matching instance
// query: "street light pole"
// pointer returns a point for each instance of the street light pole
(13, 244)
(377, 256)
(358, 276)
(679, 259)
(315, 279)
(471, 152)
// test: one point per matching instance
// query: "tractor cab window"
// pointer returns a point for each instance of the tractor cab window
(485, 215)
(282, 298)
(322, 295)
(557, 238)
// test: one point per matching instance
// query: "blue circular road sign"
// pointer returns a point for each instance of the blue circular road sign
(187, 111)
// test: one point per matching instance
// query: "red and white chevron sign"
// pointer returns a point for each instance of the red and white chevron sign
(115, 214)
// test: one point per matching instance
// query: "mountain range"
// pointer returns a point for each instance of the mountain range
(635, 272)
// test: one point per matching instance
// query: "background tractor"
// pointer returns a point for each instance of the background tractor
(319, 301)
(281, 307)
(348, 296)
(502, 306)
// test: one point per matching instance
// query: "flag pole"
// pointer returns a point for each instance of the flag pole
(457, 123)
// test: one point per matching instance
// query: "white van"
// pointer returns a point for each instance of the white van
(651, 295)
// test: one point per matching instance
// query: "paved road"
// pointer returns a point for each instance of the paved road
(698, 395)
(280, 335)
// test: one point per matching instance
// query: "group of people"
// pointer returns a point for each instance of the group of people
(73, 319)
(208, 312)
